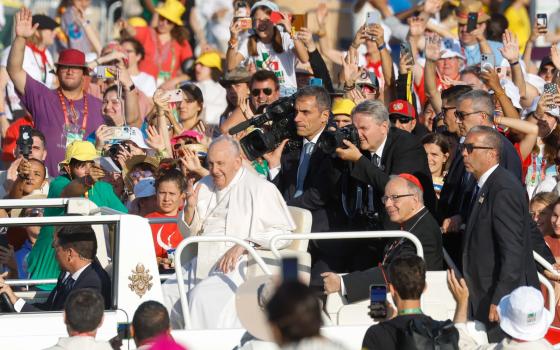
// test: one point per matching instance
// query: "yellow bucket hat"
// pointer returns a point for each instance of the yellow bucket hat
(172, 10)
(343, 106)
(210, 60)
(137, 22)
(80, 150)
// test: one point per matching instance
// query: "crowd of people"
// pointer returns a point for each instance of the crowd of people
(440, 120)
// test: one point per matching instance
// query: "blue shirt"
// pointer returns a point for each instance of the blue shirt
(472, 53)
(21, 259)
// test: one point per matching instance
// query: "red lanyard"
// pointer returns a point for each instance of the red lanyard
(71, 102)
(44, 61)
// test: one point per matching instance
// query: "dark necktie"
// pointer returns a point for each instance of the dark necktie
(65, 288)
(473, 199)
(303, 167)
(375, 160)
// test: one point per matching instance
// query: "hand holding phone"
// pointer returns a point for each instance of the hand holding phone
(174, 95)
(542, 20)
(472, 21)
(378, 301)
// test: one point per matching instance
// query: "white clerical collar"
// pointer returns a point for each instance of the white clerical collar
(486, 175)
(379, 150)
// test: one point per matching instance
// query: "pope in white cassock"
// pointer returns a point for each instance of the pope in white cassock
(231, 201)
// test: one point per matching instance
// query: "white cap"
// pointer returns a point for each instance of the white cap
(137, 137)
(523, 315)
(451, 48)
(145, 188)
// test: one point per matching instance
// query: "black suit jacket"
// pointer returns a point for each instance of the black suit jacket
(402, 153)
(497, 248)
(424, 226)
(94, 277)
(458, 187)
(321, 187)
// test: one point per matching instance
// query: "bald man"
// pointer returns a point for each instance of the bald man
(404, 204)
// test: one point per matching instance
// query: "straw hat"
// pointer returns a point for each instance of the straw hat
(250, 300)
(471, 6)
(172, 10)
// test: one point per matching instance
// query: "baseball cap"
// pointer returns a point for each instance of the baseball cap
(264, 3)
(402, 107)
(137, 137)
(210, 60)
(145, 188)
(523, 315)
(45, 22)
(343, 106)
(80, 150)
(451, 48)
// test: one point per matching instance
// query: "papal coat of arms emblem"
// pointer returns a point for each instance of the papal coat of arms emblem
(141, 280)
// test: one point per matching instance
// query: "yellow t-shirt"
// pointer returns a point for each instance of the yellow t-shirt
(519, 24)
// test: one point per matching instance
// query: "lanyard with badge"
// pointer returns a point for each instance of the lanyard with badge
(160, 58)
(72, 131)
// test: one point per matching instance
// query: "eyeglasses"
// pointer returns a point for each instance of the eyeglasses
(445, 109)
(470, 147)
(394, 197)
(461, 115)
(401, 118)
(257, 92)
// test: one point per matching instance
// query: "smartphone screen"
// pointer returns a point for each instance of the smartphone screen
(289, 269)
(299, 21)
(123, 330)
(472, 21)
(377, 299)
(542, 20)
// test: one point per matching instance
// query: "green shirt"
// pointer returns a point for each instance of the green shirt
(41, 260)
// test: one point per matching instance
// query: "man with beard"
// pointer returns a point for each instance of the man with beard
(64, 115)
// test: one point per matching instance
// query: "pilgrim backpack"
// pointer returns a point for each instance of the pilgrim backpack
(428, 334)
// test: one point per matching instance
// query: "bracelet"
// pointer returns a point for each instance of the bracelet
(232, 44)
(349, 87)
(514, 63)
(381, 47)
(321, 33)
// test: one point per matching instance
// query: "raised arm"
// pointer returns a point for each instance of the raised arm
(24, 29)
(529, 131)
(510, 51)
(233, 57)
(433, 53)
(491, 79)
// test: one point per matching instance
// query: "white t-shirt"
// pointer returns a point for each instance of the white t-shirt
(145, 83)
(283, 64)
(33, 65)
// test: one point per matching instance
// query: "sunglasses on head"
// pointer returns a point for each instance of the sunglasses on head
(401, 118)
(257, 92)
(470, 147)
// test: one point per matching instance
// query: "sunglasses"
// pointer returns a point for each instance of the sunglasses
(141, 174)
(401, 118)
(257, 92)
(462, 115)
(470, 147)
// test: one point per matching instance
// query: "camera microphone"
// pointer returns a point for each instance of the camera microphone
(240, 127)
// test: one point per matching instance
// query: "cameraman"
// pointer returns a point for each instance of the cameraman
(264, 89)
(385, 150)
(308, 178)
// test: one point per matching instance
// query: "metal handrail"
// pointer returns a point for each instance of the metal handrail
(551, 295)
(34, 203)
(344, 235)
(31, 282)
(179, 270)
(60, 220)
